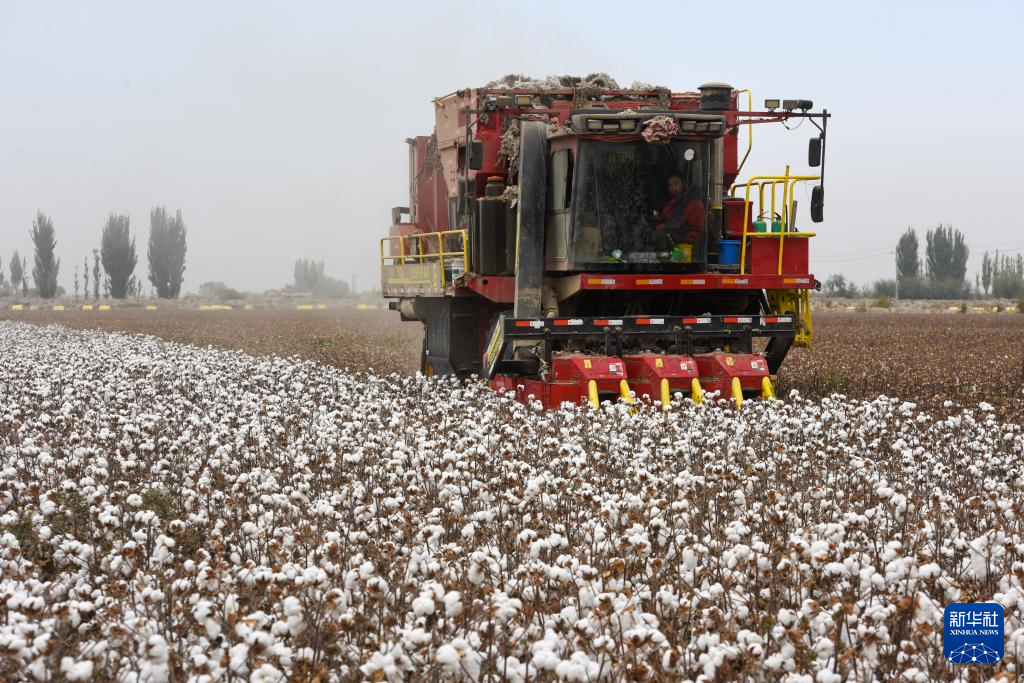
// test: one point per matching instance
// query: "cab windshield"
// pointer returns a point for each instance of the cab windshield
(640, 203)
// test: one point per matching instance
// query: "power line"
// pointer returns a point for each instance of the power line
(839, 259)
(1001, 244)
(862, 252)
(891, 250)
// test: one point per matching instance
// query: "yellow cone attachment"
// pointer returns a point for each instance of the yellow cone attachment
(592, 394)
(696, 392)
(767, 391)
(624, 391)
(666, 395)
(737, 392)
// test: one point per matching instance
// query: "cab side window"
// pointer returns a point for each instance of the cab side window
(560, 180)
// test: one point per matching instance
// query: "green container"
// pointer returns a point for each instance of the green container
(777, 226)
(760, 226)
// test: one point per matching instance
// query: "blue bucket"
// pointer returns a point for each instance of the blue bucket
(728, 251)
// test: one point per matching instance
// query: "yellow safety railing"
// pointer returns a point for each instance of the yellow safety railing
(411, 250)
(788, 183)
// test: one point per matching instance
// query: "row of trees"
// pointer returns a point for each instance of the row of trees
(941, 274)
(112, 271)
(165, 252)
(1003, 274)
(310, 278)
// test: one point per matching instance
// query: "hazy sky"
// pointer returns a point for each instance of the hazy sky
(278, 128)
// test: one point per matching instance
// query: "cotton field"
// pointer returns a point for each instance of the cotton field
(173, 513)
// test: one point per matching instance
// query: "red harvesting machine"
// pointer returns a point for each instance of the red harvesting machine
(580, 243)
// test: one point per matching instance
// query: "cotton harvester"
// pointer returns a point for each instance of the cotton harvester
(581, 243)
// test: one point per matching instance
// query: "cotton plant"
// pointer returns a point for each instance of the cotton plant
(170, 512)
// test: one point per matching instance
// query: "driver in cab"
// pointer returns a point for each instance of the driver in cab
(680, 220)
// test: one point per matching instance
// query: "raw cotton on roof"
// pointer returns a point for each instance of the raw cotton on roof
(659, 130)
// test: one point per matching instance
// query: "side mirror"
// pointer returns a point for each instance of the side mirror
(818, 204)
(476, 155)
(814, 152)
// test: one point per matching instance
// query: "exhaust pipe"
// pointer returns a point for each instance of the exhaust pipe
(533, 143)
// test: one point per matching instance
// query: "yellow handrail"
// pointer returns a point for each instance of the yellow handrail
(420, 256)
(786, 221)
(788, 182)
(760, 192)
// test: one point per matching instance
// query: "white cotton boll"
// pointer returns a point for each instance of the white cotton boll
(545, 660)
(448, 657)
(154, 666)
(915, 675)
(690, 559)
(293, 612)
(825, 676)
(423, 606)
(1010, 599)
(892, 551)
(266, 673)
(134, 500)
(897, 569)
(76, 671)
(751, 642)
(980, 557)
(379, 662)
(819, 550)
(39, 669)
(416, 637)
(239, 658)
(835, 569)
(579, 667)
(929, 571)
(453, 606)
(203, 613)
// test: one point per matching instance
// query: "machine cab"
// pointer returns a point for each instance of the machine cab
(618, 202)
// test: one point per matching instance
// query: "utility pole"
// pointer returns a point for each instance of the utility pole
(896, 260)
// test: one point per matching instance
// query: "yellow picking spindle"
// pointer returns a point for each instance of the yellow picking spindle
(592, 394)
(696, 391)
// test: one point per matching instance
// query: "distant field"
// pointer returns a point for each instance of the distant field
(358, 340)
(924, 357)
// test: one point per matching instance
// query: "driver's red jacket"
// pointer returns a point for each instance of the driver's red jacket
(687, 223)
